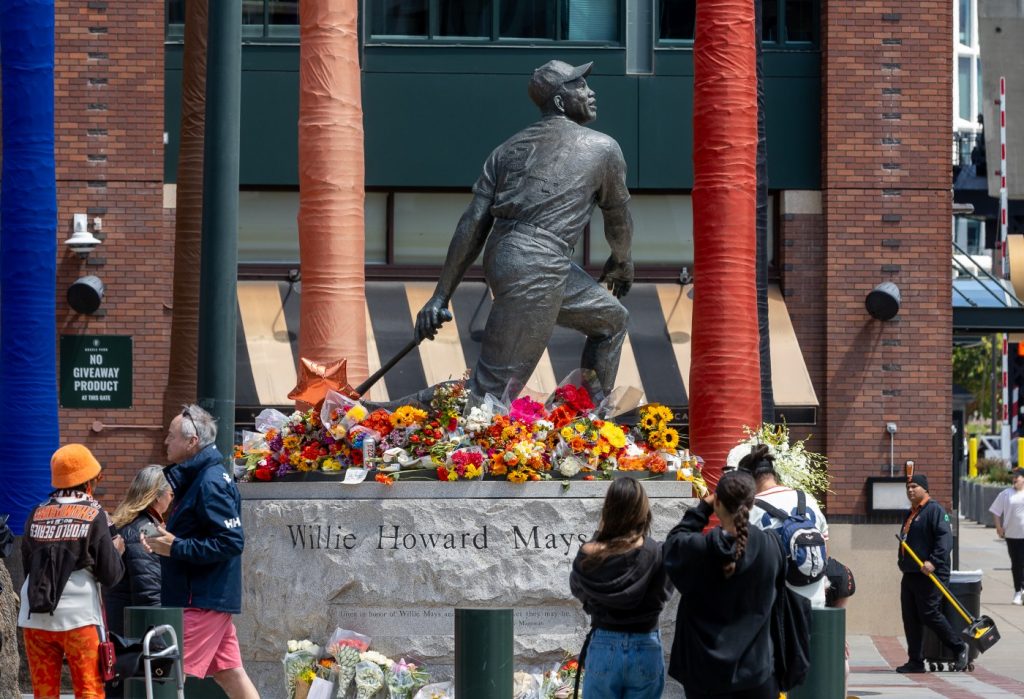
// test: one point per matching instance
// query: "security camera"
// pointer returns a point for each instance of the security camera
(890, 427)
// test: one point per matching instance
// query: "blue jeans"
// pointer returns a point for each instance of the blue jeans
(622, 665)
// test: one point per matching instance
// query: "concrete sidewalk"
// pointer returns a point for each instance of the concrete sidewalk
(998, 673)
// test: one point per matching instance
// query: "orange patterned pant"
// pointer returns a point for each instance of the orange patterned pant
(46, 651)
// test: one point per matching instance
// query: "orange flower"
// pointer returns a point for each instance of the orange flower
(577, 444)
(386, 480)
(498, 467)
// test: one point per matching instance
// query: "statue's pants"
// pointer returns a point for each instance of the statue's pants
(536, 286)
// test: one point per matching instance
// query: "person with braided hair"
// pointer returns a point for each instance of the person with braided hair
(727, 578)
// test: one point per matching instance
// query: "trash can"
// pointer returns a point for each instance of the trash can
(965, 586)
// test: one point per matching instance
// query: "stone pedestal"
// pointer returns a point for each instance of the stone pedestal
(394, 562)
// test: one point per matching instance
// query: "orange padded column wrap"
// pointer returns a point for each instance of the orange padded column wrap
(725, 370)
(331, 186)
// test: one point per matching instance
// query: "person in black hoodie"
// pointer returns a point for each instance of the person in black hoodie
(727, 579)
(927, 532)
(619, 578)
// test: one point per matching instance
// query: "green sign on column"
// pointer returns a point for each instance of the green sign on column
(96, 371)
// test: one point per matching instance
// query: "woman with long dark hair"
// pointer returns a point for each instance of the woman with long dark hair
(619, 577)
(727, 579)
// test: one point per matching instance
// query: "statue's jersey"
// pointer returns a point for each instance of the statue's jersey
(552, 174)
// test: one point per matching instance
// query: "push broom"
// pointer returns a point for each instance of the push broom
(981, 633)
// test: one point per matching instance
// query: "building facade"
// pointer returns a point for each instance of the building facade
(858, 114)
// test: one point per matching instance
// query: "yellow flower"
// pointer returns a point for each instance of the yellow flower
(473, 471)
(566, 433)
(294, 458)
(357, 413)
(580, 427)
(517, 477)
(291, 441)
(648, 421)
(662, 412)
(669, 438)
(452, 475)
(331, 465)
(614, 434)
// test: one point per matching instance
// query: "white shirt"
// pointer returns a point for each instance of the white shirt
(79, 606)
(1009, 508)
(786, 500)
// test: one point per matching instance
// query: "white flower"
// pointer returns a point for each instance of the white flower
(569, 466)
(293, 646)
(376, 658)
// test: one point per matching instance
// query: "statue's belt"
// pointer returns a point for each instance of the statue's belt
(505, 226)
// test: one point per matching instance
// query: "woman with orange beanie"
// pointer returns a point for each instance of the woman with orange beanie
(67, 553)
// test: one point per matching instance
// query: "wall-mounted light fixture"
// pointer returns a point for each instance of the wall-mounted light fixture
(82, 241)
(891, 428)
(883, 302)
(86, 294)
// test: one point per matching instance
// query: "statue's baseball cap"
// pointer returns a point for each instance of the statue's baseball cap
(547, 79)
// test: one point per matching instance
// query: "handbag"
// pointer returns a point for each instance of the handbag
(106, 652)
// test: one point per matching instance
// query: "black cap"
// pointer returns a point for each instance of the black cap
(920, 479)
(549, 78)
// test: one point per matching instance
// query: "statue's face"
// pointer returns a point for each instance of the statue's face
(578, 101)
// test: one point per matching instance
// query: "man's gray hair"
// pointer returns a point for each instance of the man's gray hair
(196, 422)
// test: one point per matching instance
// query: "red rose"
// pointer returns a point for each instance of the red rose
(263, 474)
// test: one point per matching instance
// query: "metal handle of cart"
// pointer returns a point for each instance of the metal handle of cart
(170, 651)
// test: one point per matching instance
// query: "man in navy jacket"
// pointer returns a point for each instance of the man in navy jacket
(927, 532)
(201, 552)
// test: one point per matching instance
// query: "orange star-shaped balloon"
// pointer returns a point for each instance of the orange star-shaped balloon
(316, 379)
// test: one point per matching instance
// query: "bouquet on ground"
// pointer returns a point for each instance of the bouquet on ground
(300, 667)
(797, 467)
(370, 673)
(559, 683)
(403, 679)
(345, 647)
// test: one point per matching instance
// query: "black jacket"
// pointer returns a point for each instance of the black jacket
(625, 592)
(931, 538)
(62, 537)
(204, 569)
(140, 586)
(723, 640)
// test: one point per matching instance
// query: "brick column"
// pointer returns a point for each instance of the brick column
(109, 89)
(887, 76)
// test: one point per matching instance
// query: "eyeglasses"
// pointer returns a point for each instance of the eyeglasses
(186, 413)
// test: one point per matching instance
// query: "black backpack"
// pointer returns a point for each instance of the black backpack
(802, 543)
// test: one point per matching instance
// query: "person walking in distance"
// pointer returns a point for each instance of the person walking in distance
(1008, 513)
(927, 532)
(619, 578)
(530, 206)
(201, 552)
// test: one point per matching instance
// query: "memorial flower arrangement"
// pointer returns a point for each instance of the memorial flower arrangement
(347, 658)
(559, 684)
(453, 438)
(797, 466)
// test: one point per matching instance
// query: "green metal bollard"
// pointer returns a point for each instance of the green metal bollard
(827, 677)
(137, 620)
(483, 653)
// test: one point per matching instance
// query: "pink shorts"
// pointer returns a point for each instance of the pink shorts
(211, 644)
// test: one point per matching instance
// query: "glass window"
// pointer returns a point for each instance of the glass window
(593, 20)
(424, 224)
(268, 228)
(677, 19)
(573, 20)
(527, 19)
(252, 18)
(979, 85)
(770, 21)
(800, 21)
(662, 231)
(964, 87)
(260, 18)
(283, 18)
(400, 18)
(965, 22)
(464, 18)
